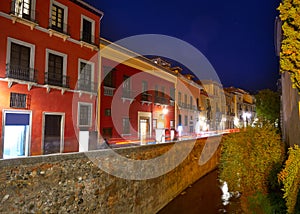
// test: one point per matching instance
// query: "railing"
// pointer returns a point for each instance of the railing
(57, 80)
(65, 28)
(89, 38)
(19, 9)
(21, 73)
(145, 97)
(161, 100)
(128, 94)
(86, 85)
(108, 91)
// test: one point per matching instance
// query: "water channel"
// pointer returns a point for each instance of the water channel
(204, 196)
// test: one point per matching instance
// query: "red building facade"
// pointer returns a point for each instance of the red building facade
(48, 76)
(137, 97)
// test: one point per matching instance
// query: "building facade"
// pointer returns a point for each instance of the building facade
(241, 110)
(48, 76)
(137, 101)
(217, 117)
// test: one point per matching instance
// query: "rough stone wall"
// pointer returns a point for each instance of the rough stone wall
(72, 183)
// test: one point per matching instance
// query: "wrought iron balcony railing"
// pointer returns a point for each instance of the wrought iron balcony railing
(161, 100)
(23, 10)
(145, 97)
(87, 85)
(57, 80)
(61, 28)
(128, 94)
(89, 38)
(21, 73)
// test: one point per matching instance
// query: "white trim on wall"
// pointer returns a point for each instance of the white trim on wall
(29, 45)
(65, 57)
(93, 26)
(78, 114)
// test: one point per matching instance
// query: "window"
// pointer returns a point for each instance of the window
(191, 102)
(107, 112)
(156, 90)
(185, 120)
(86, 71)
(126, 126)
(20, 60)
(172, 93)
(179, 98)
(145, 95)
(185, 100)
(59, 17)
(126, 87)
(87, 29)
(179, 120)
(108, 76)
(162, 93)
(144, 86)
(24, 9)
(18, 100)
(172, 123)
(154, 121)
(56, 69)
(107, 132)
(85, 114)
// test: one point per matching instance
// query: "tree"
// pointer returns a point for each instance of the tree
(268, 105)
(248, 159)
(290, 48)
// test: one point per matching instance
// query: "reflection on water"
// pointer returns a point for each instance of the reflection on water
(207, 196)
(226, 195)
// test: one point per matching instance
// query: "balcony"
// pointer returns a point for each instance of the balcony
(87, 86)
(59, 30)
(146, 98)
(127, 95)
(108, 91)
(89, 40)
(57, 80)
(21, 12)
(161, 100)
(18, 72)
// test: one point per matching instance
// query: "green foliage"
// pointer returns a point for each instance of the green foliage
(290, 49)
(266, 204)
(290, 177)
(260, 203)
(268, 105)
(248, 158)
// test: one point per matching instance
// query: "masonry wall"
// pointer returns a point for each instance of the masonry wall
(73, 182)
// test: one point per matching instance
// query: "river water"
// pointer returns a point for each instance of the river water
(204, 196)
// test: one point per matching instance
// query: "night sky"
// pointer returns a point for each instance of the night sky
(237, 37)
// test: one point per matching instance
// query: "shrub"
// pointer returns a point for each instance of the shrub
(248, 159)
(290, 178)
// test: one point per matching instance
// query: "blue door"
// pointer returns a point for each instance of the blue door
(16, 134)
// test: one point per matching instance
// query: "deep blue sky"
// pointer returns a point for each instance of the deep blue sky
(237, 37)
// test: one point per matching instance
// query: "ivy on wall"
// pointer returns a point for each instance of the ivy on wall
(290, 48)
(290, 177)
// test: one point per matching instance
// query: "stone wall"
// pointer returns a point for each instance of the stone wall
(73, 183)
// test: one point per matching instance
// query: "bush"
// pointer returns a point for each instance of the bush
(290, 178)
(248, 159)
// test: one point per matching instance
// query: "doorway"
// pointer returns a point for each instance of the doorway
(144, 129)
(16, 134)
(144, 126)
(53, 133)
